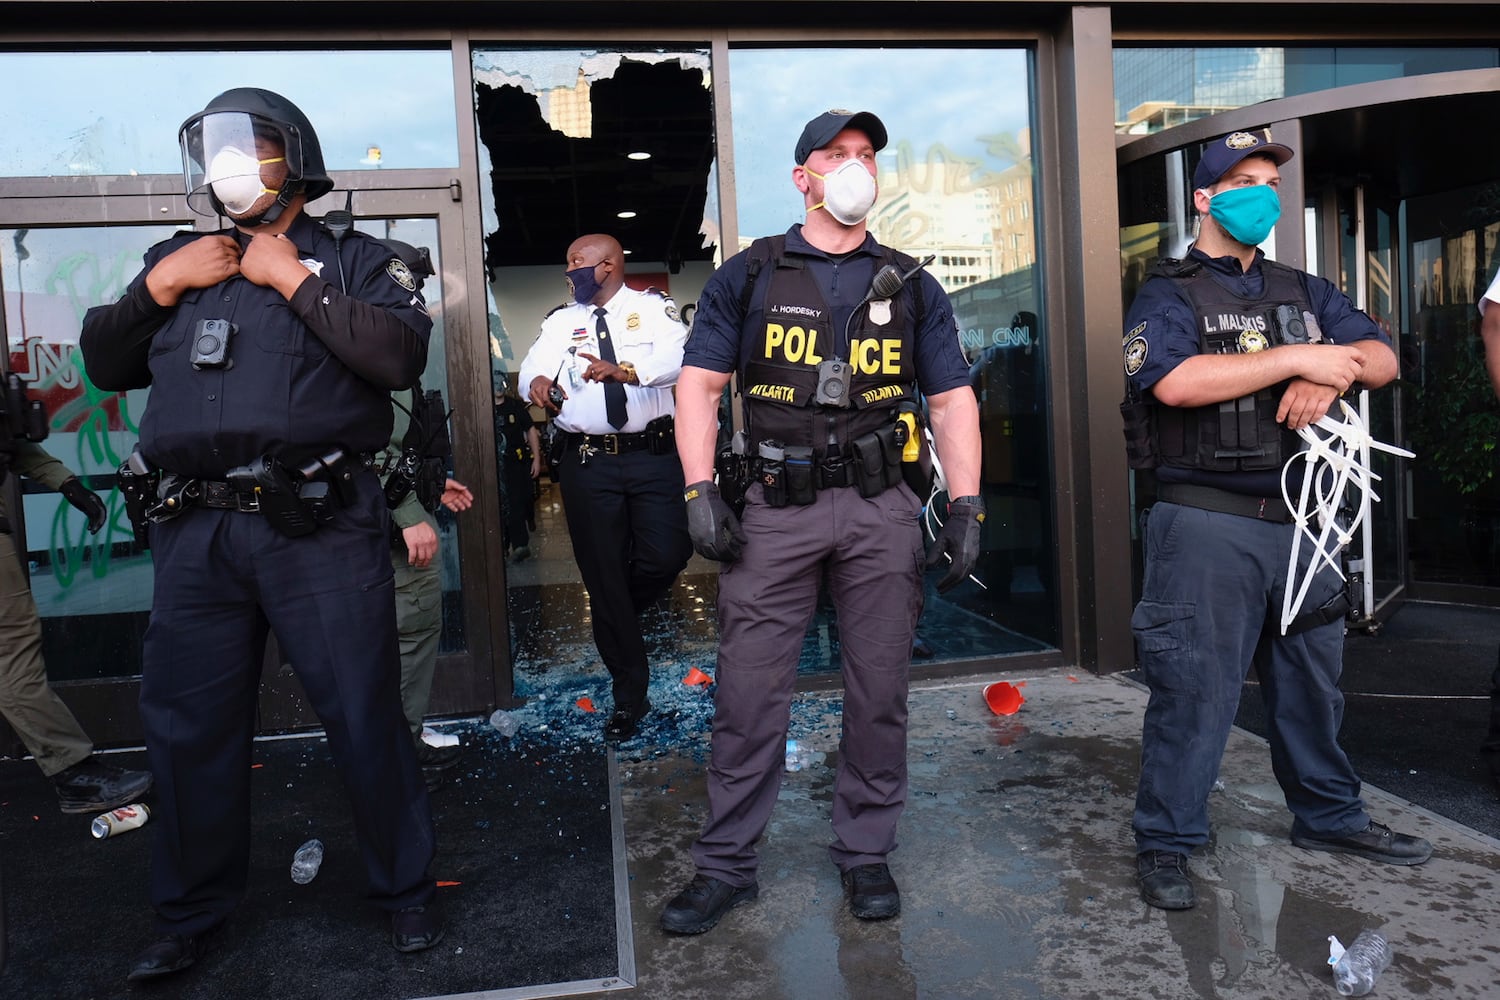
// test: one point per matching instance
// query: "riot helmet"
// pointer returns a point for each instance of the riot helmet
(225, 145)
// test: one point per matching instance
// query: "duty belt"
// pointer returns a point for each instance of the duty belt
(609, 444)
(223, 496)
(1225, 502)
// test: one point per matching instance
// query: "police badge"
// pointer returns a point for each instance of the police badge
(1252, 341)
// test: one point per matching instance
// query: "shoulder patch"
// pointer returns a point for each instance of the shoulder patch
(1140, 329)
(1135, 354)
(401, 274)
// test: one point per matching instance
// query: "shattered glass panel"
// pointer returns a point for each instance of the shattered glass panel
(573, 142)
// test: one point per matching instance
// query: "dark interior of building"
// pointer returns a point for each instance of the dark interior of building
(549, 187)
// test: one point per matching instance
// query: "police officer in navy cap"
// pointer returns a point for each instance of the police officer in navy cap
(828, 366)
(271, 350)
(1227, 355)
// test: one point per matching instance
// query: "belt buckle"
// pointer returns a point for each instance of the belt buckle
(611, 444)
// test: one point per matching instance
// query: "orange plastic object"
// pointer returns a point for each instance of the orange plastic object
(696, 676)
(586, 703)
(1003, 697)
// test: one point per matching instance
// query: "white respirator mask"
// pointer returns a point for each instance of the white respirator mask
(848, 192)
(234, 176)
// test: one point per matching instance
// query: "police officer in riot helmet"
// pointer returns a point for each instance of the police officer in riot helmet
(271, 348)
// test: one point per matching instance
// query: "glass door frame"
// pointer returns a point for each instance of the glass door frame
(469, 681)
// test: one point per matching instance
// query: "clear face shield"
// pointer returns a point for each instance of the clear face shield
(224, 157)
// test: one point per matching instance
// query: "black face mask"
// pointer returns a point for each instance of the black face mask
(582, 283)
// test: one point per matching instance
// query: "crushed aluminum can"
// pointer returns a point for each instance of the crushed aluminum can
(119, 820)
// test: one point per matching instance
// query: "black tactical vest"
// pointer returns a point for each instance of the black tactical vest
(792, 333)
(1239, 435)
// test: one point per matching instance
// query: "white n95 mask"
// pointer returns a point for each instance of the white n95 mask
(848, 192)
(234, 176)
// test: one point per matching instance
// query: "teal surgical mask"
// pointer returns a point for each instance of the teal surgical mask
(1246, 213)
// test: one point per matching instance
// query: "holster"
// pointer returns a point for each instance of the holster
(279, 499)
(138, 483)
(661, 437)
(733, 474)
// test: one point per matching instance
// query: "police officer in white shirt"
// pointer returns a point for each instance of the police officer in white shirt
(604, 366)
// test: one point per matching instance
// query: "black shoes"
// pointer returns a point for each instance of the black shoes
(439, 758)
(622, 724)
(1164, 879)
(92, 786)
(168, 954)
(416, 928)
(1375, 842)
(698, 907)
(872, 892)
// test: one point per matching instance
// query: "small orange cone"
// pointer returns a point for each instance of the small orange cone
(1003, 698)
(586, 703)
(696, 676)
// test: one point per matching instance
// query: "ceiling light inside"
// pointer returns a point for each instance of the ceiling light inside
(625, 215)
(639, 154)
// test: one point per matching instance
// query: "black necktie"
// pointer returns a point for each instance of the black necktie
(614, 392)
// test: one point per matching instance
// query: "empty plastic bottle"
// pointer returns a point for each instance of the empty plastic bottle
(504, 722)
(793, 756)
(1356, 970)
(306, 861)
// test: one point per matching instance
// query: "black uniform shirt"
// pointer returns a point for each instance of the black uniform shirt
(307, 374)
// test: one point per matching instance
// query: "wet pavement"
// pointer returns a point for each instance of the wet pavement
(1016, 867)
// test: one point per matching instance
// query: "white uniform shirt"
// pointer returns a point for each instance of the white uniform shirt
(1492, 295)
(646, 332)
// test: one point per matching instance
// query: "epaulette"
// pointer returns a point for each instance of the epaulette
(1174, 267)
(556, 308)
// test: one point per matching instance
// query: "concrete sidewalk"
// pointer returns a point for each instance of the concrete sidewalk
(1017, 876)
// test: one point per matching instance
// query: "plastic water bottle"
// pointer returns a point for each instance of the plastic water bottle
(306, 861)
(1355, 971)
(504, 723)
(793, 756)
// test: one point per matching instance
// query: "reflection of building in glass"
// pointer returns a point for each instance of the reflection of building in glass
(977, 224)
(1157, 88)
(1196, 81)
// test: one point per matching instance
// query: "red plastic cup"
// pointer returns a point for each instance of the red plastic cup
(1003, 697)
(696, 676)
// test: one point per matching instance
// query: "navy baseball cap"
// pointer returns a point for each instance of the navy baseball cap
(820, 131)
(1221, 154)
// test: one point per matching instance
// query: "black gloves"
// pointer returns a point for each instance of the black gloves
(86, 500)
(957, 541)
(714, 529)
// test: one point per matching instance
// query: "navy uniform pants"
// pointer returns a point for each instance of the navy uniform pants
(870, 553)
(1210, 608)
(223, 578)
(628, 526)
